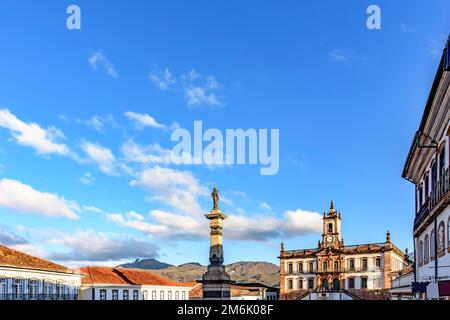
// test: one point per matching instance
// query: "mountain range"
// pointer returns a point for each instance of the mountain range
(242, 271)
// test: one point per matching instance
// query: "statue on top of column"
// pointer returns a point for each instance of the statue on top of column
(215, 196)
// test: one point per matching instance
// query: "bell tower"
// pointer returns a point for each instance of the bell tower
(331, 236)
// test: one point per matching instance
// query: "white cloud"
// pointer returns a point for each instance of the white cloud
(44, 141)
(198, 89)
(302, 222)
(177, 189)
(265, 206)
(163, 80)
(87, 178)
(237, 227)
(8, 237)
(151, 154)
(102, 156)
(197, 96)
(98, 123)
(164, 224)
(20, 197)
(406, 28)
(339, 55)
(201, 90)
(98, 59)
(144, 120)
(92, 209)
(437, 46)
(88, 245)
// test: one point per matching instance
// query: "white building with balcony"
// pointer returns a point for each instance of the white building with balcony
(427, 166)
(25, 277)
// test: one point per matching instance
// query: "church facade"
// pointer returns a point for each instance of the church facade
(357, 271)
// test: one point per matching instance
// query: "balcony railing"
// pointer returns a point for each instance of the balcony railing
(13, 296)
(339, 270)
(440, 189)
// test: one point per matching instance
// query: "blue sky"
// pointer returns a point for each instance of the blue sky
(83, 181)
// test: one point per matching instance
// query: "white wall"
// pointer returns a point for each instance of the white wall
(70, 281)
(426, 272)
(145, 292)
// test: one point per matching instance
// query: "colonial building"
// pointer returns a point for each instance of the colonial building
(336, 271)
(427, 166)
(24, 277)
(101, 283)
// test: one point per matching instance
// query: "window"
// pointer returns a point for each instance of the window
(311, 267)
(154, 295)
(427, 186)
(310, 283)
(290, 287)
(364, 283)
(169, 295)
(330, 228)
(3, 286)
(336, 266)
(161, 295)
(420, 195)
(32, 288)
(351, 283)
(17, 288)
(115, 294)
(352, 264)
(364, 264)
(300, 283)
(126, 295)
(420, 253)
(48, 289)
(448, 234)
(377, 283)
(441, 238)
(102, 294)
(426, 256)
(325, 266)
(300, 267)
(183, 295)
(177, 295)
(432, 245)
(433, 175)
(290, 268)
(135, 295)
(442, 161)
(378, 262)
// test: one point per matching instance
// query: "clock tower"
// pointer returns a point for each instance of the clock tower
(331, 236)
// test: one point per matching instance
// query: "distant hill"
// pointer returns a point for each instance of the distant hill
(152, 264)
(264, 272)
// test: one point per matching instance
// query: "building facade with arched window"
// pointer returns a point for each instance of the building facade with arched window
(25, 277)
(427, 166)
(332, 267)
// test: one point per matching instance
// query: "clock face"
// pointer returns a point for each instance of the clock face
(329, 239)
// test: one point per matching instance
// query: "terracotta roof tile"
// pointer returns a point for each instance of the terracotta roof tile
(101, 275)
(17, 259)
